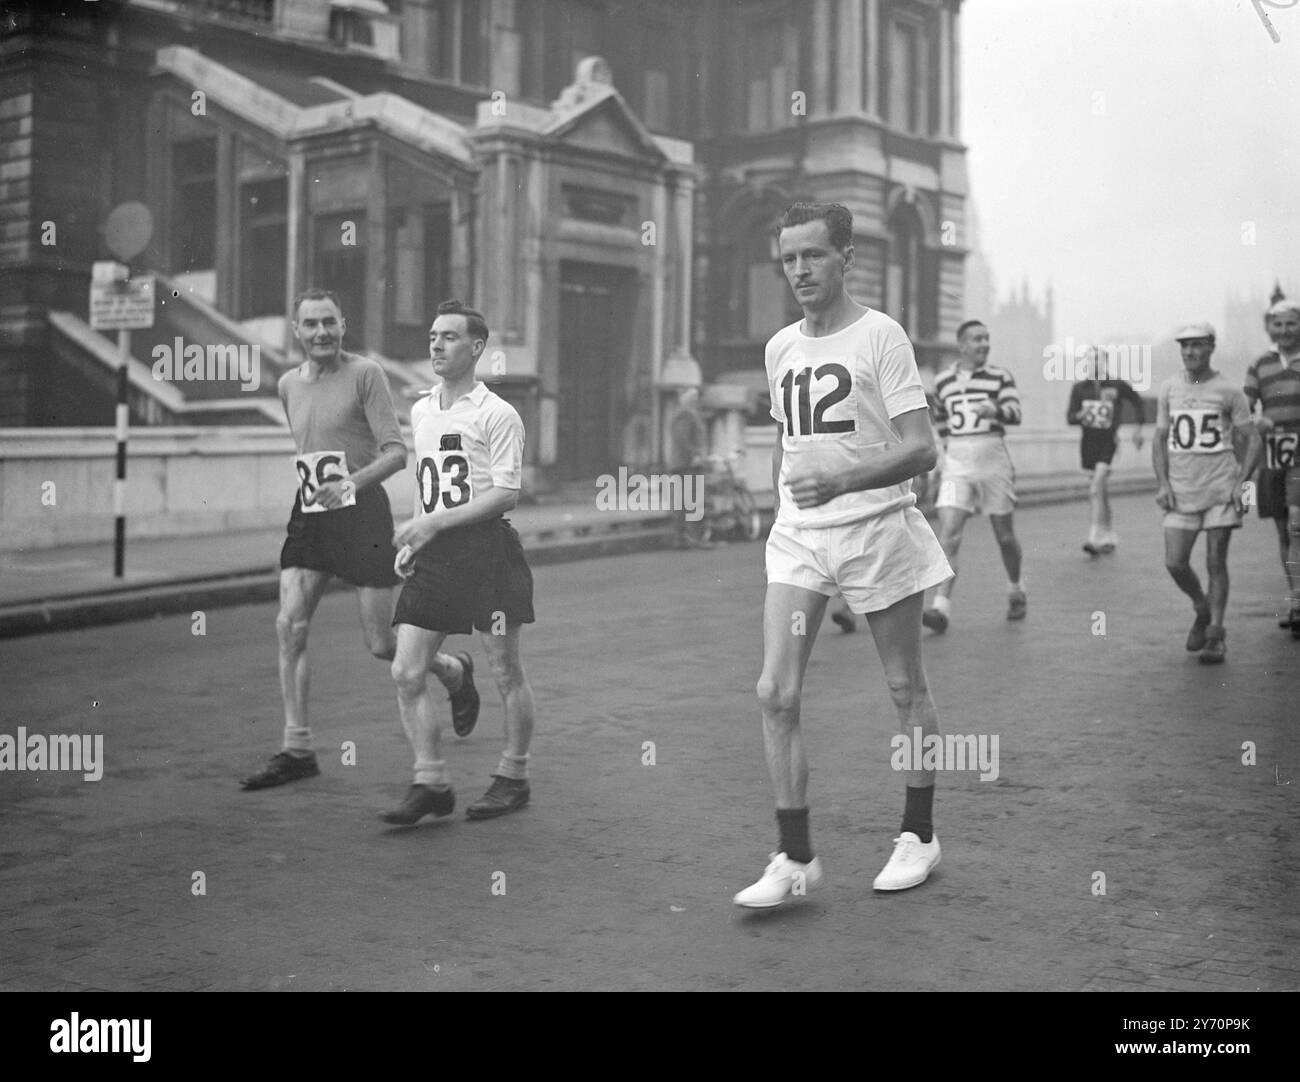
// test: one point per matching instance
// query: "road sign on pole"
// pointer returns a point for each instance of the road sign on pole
(121, 303)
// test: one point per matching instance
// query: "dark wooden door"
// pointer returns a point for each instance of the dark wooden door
(594, 338)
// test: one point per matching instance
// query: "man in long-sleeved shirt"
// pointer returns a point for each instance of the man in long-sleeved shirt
(1095, 406)
(976, 401)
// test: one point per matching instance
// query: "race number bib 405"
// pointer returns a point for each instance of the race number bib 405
(1280, 450)
(1096, 413)
(1196, 431)
(318, 468)
(962, 418)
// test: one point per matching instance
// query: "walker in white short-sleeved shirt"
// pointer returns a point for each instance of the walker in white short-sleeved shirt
(460, 452)
(834, 398)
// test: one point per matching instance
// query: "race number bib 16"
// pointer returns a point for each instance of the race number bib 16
(1196, 431)
(1280, 450)
(1096, 413)
(962, 418)
(318, 468)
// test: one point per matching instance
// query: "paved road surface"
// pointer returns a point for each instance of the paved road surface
(1118, 754)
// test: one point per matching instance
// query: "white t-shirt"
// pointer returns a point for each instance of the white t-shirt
(834, 397)
(460, 452)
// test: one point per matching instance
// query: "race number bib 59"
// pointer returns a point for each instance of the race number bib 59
(1096, 413)
(1280, 450)
(1196, 431)
(962, 418)
(318, 468)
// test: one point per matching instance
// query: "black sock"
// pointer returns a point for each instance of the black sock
(918, 812)
(793, 825)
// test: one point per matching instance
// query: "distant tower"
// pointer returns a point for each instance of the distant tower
(1278, 295)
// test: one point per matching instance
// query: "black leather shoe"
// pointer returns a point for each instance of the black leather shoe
(421, 801)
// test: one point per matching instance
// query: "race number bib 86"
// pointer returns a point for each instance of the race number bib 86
(1096, 413)
(1196, 431)
(318, 468)
(962, 418)
(1280, 450)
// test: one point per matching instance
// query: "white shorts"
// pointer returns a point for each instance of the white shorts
(873, 563)
(986, 484)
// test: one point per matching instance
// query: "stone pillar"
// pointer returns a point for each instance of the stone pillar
(848, 94)
(822, 36)
(871, 65)
(295, 234)
(945, 74)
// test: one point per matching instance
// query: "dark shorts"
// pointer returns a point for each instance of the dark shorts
(354, 543)
(1277, 490)
(1097, 446)
(473, 578)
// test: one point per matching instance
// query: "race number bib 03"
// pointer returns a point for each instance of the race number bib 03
(962, 418)
(1280, 450)
(318, 468)
(443, 480)
(1196, 431)
(1096, 413)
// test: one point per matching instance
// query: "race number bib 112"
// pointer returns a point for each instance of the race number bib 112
(1196, 431)
(1280, 450)
(318, 468)
(962, 418)
(1096, 413)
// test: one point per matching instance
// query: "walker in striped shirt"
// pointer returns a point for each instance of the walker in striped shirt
(976, 402)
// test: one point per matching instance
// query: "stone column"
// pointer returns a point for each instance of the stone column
(821, 72)
(848, 44)
(871, 66)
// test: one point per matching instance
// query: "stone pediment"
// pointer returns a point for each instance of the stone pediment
(592, 115)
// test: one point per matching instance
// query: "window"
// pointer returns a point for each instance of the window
(341, 267)
(908, 105)
(264, 248)
(194, 205)
(766, 100)
(556, 35)
(458, 47)
(903, 271)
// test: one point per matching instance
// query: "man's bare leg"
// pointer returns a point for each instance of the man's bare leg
(431, 792)
(509, 790)
(897, 632)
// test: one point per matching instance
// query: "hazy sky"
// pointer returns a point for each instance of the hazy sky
(1119, 147)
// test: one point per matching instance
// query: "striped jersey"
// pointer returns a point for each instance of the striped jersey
(1275, 385)
(960, 389)
(477, 443)
(834, 398)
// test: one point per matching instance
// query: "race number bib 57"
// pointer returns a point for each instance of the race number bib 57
(1196, 431)
(1280, 450)
(962, 418)
(1096, 413)
(318, 468)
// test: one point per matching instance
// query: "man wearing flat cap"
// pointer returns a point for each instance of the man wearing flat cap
(1204, 451)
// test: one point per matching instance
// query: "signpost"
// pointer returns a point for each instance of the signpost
(121, 303)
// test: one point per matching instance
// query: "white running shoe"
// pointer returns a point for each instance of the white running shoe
(784, 878)
(911, 863)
